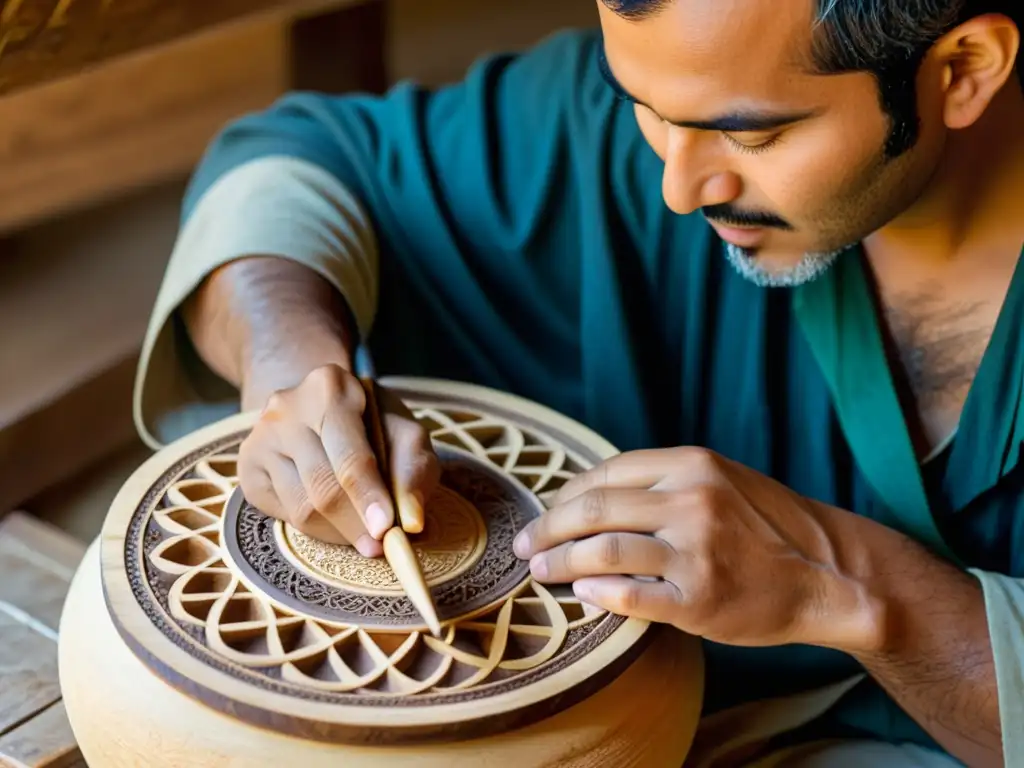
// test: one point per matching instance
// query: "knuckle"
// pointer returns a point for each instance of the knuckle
(352, 467)
(326, 376)
(610, 549)
(332, 383)
(422, 466)
(256, 486)
(324, 491)
(304, 514)
(702, 461)
(628, 598)
(408, 431)
(276, 403)
(594, 507)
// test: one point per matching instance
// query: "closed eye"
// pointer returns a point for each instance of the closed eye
(752, 149)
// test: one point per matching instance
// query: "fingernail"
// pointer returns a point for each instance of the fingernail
(377, 522)
(521, 545)
(367, 546)
(539, 567)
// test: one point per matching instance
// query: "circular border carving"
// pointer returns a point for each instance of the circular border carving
(137, 600)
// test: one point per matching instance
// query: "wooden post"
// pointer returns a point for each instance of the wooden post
(341, 50)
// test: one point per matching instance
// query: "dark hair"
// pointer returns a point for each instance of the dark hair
(887, 38)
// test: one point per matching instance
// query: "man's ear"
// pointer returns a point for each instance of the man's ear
(975, 59)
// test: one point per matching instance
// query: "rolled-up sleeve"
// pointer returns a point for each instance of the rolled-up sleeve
(443, 216)
(275, 205)
(1004, 607)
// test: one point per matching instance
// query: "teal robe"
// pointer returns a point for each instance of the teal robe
(524, 245)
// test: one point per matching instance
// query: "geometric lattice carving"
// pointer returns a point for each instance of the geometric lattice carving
(236, 609)
(247, 626)
(538, 461)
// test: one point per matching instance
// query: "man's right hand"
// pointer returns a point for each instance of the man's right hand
(308, 461)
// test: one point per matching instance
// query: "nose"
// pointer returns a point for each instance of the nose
(692, 177)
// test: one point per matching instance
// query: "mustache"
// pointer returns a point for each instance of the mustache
(728, 215)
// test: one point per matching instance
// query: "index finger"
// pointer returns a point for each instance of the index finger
(344, 437)
(619, 510)
(636, 469)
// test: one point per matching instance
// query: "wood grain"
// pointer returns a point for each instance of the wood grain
(28, 671)
(78, 331)
(45, 741)
(140, 120)
(61, 552)
(32, 586)
(68, 147)
(43, 40)
(37, 563)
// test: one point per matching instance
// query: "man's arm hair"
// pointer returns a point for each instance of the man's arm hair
(936, 661)
(263, 323)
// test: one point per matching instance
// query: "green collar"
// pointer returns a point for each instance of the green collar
(838, 317)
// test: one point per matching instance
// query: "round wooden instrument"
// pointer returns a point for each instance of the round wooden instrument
(201, 632)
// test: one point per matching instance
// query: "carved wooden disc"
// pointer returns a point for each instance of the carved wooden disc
(453, 541)
(466, 551)
(251, 617)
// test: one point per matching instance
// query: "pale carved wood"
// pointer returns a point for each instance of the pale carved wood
(327, 658)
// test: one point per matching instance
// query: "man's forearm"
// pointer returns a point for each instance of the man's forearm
(934, 655)
(263, 323)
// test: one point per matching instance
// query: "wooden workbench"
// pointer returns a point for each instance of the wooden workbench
(37, 562)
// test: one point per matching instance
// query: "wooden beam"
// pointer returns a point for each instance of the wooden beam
(45, 40)
(141, 120)
(78, 303)
(341, 51)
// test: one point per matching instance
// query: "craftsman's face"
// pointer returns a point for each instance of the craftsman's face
(788, 166)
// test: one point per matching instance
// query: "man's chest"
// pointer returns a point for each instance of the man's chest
(935, 339)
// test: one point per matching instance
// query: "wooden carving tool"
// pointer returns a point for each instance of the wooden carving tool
(398, 550)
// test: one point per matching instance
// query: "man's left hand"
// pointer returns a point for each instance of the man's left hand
(686, 537)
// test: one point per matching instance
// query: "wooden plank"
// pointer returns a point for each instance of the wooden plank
(63, 553)
(43, 40)
(31, 590)
(45, 741)
(79, 293)
(37, 562)
(133, 123)
(28, 669)
(84, 424)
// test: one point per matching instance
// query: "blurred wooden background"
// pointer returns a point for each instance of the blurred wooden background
(96, 142)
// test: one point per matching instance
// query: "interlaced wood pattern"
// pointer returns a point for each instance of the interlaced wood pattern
(248, 628)
(534, 458)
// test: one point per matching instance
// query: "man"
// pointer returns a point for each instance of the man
(767, 249)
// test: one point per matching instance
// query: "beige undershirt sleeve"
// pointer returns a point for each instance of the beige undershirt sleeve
(1004, 606)
(272, 206)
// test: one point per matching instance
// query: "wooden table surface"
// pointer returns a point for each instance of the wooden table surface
(37, 562)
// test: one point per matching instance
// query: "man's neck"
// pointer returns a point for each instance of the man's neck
(975, 200)
(942, 270)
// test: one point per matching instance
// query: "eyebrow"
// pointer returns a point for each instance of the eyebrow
(735, 122)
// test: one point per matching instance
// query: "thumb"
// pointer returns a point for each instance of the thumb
(415, 469)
